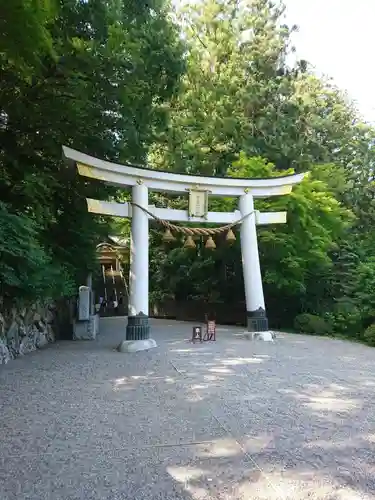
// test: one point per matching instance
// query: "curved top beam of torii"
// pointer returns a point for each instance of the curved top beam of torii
(156, 180)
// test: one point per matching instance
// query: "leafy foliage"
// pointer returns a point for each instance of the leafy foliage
(310, 323)
(26, 269)
(24, 49)
(89, 74)
(244, 112)
(369, 335)
(239, 94)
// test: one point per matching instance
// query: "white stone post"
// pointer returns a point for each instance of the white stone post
(89, 285)
(138, 329)
(89, 280)
(255, 308)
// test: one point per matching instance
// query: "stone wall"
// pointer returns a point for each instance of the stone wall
(24, 329)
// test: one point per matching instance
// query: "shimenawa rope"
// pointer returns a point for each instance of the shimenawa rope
(205, 231)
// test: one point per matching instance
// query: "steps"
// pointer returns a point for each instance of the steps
(112, 287)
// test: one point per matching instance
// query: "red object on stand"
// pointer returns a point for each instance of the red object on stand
(210, 331)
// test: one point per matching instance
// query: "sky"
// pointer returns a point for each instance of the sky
(338, 38)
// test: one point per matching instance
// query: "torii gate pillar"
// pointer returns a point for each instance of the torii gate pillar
(255, 309)
(138, 325)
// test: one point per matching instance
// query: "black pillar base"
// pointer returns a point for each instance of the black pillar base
(257, 320)
(138, 327)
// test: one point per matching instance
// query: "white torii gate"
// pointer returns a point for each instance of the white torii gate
(141, 180)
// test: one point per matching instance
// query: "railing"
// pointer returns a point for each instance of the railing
(113, 272)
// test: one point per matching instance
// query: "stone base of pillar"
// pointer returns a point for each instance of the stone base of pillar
(257, 321)
(265, 336)
(136, 345)
(138, 327)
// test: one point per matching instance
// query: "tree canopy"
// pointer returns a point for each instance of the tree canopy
(89, 74)
(245, 110)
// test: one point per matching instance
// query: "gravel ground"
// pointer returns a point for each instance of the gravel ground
(231, 420)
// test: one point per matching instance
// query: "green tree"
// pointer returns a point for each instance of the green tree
(297, 259)
(239, 94)
(101, 91)
(24, 34)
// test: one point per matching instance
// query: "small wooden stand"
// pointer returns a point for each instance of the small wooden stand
(197, 334)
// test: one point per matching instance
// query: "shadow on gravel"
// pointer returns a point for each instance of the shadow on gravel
(231, 420)
(299, 416)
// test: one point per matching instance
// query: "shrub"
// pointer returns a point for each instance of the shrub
(369, 335)
(310, 323)
(346, 319)
(27, 270)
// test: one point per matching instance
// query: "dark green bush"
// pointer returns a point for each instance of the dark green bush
(27, 270)
(310, 323)
(346, 319)
(369, 335)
